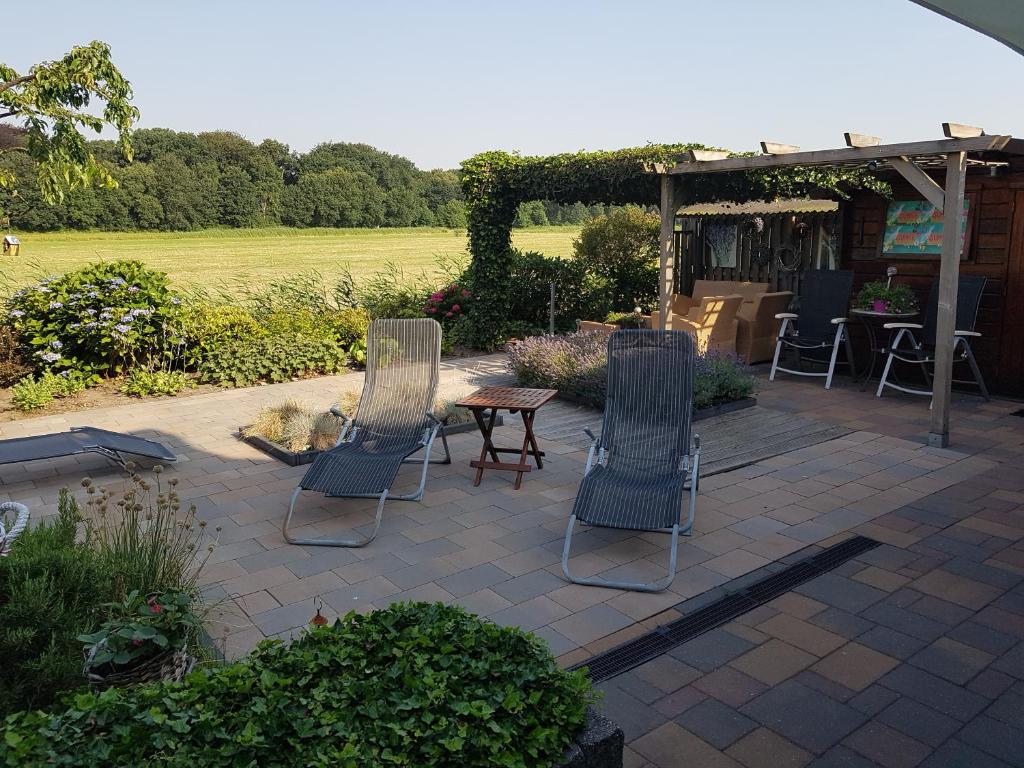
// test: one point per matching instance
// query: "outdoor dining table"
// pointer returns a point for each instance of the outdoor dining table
(873, 321)
(511, 399)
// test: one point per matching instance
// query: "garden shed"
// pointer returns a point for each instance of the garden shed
(982, 175)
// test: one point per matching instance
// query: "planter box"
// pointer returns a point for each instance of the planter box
(703, 413)
(723, 408)
(298, 458)
(599, 746)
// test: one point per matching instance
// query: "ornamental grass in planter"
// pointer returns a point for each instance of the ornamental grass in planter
(576, 365)
(415, 684)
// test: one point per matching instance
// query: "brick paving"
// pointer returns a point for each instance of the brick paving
(909, 655)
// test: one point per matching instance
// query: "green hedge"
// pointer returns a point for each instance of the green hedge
(415, 684)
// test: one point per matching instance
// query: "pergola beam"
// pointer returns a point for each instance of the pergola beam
(668, 241)
(922, 182)
(847, 156)
(961, 131)
(861, 140)
(774, 148)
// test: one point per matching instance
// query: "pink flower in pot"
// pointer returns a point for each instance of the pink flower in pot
(880, 305)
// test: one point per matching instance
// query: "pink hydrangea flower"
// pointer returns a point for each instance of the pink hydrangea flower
(455, 307)
(448, 314)
(465, 293)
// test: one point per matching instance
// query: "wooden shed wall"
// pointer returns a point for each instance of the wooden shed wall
(995, 250)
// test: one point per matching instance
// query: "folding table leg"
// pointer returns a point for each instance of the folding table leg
(486, 428)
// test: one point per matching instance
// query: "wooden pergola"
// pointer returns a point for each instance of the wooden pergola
(963, 145)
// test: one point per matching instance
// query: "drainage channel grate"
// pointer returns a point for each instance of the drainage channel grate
(635, 652)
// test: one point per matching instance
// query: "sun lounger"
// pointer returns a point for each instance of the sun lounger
(113, 445)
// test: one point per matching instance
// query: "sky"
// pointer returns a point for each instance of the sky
(440, 80)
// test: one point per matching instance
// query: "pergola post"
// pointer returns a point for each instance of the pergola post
(668, 239)
(949, 273)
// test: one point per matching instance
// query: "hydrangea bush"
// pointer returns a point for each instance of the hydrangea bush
(98, 319)
(576, 365)
(447, 303)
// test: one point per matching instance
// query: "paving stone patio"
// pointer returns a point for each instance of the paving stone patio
(940, 612)
(906, 655)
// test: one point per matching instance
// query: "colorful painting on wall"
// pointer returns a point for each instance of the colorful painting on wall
(914, 228)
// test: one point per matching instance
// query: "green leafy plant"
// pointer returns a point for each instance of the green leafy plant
(274, 358)
(52, 588)
(99, 319)
(30, 393)
(145, 383)
(208, 327)
(141, 627)
(896, 298)
(414, 684)
(625, 319)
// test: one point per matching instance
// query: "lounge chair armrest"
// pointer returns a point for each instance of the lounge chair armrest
(840, 320)
(438, 422)
(336, 411)
(786, 316)
(590, 434)
(972, 334)
(898, 326)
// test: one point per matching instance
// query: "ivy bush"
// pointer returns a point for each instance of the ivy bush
(576, 365)
(495, 183)
(415, 684)
(98, 319)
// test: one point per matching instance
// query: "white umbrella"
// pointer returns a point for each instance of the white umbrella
(1002, 20)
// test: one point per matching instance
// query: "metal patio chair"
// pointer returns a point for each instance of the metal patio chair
(920, 349)
(819, 326)
(642, 467)
(112, 445)
(393, 422)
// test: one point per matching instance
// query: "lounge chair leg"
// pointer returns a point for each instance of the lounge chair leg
(835, 356)
(354, 542)
(778, 350)
(969, 354)
(687, 530)
(633, 586)
(447, 453)
(885, 375)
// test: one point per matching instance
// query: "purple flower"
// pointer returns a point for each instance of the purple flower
(122, 328)
(55, 305)
(133, 289)
(175, 300)
(56, 344)
(17, 313)
(49, 357)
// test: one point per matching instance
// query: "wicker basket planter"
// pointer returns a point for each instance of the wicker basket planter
(171, 665)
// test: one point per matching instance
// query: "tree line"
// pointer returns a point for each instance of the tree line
(185, 181)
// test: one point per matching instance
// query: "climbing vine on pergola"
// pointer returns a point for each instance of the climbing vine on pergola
(495, 183)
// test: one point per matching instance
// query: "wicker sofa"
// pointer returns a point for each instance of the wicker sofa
(754, 323)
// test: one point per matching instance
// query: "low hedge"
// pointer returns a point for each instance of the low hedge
(576, 364)
(415, 684)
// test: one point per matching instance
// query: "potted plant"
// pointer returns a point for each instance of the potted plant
(145, 639)
(634, 319)
(885, 298)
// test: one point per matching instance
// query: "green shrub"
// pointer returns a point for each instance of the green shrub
(622, 247)
(415, 684)
(12, 366)
(390, 293)
(208, 327)
(51, 590)
(142, 382)
(577, 366)
(579, 295)
(98, 319)
(31, 393)
(625, 319)
(274, 358)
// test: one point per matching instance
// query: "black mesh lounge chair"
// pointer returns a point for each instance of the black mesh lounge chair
(641, 467)
(393, 422)
(921, 350)
(113, 445)
(819, 328)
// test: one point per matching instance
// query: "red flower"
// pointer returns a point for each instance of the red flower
(448, 314)
(465, 293)
(155, 607)
(136, 642)
(455, 307)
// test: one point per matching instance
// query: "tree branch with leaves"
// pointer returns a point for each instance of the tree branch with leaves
(51, 102)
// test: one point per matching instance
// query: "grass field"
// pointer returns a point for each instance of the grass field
(216, 258)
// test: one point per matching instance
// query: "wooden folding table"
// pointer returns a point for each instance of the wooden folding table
(511, 399)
